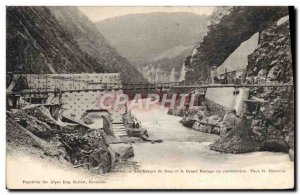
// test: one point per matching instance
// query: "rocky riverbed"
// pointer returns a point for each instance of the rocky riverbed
(182, 149)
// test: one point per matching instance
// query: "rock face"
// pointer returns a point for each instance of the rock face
(224, 36)
(60, 40)
(218, 14)
(272, 61)
(272, 128)
(20, 136)
(272, 58)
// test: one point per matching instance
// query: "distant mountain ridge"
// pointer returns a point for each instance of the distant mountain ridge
(174, 52)
(142, 37)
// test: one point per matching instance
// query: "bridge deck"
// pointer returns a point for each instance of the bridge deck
(142, 86)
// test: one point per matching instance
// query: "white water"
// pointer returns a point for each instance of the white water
(182, 73)
(185, 147)
(172, 75)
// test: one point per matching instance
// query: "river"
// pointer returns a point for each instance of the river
(188, 150)
(185, 146)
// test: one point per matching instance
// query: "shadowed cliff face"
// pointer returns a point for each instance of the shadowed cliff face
(272, 129)
(60, 40)
(37, 43)
(272, 61)
(224, 36)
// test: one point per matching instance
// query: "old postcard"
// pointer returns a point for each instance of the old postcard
(150, 97)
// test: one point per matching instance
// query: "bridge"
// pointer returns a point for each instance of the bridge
(45, 84)
(141, 86)
(80, 92)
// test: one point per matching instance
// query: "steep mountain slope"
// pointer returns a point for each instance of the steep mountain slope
(235, 25)
(272, 129)
(142, 37)
(218, 13)
(272, 61)
(238, 59)
(60, 40)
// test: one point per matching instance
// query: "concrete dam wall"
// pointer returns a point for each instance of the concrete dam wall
(74, 103)
(228, 98)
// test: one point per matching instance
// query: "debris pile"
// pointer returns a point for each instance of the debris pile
(41, 113)
(21, 139)
(31, 123)
(34, 130)
(89, 150)
(237, 140)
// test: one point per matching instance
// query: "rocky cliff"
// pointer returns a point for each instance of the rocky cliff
(60, 40)
(267, 122)
(272, 128)
(225, 33)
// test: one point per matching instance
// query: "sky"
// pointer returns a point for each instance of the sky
(101, 13)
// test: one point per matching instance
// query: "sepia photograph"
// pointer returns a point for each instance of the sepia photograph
(150, 97)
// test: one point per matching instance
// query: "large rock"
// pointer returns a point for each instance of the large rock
(123, 150)
(137, 132)
(230, 120)
(238, 140)
(208, 124)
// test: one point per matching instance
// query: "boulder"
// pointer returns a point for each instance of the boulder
(230, 120)
(133, 132)
(237, 140)
(187, 121)
(215, 119)
(124, 151)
